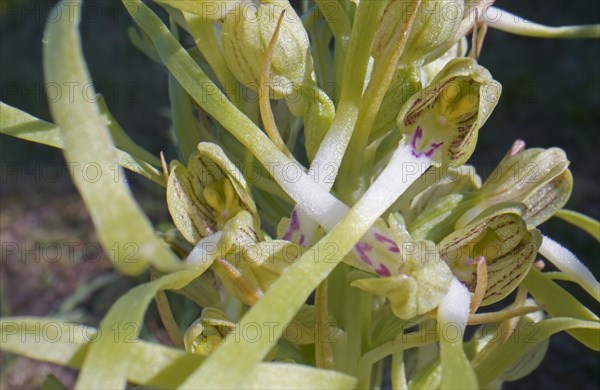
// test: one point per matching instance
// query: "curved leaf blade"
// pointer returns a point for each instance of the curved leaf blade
(582, 221)
(87, 141)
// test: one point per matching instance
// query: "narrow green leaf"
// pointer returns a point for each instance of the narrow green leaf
(204, 34)
(582, 221)
(121, 138)
(526, 336)
(19, 124)
(290, 376)
(184, 122)
(559, 303)
(208, 10)
(153, 366)
(109, 358)
(88, 143)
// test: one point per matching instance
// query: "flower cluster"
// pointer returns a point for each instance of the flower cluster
(453, 242)
(384, 231)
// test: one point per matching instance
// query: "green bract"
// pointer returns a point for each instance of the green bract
(487, 338)
(404, 85)
(209, 10)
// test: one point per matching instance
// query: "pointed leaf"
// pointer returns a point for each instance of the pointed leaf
(19, 124)
(584, 222)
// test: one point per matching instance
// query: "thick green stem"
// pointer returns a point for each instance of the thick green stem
(323, 351)
(378, 85)
(168, 320)
(362, 37)
(398, 371)
(357, 322)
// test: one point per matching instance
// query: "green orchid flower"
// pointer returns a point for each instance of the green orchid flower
(370, 173)
(208, 193)
(441, 123)
(410, 273)
(503, 240)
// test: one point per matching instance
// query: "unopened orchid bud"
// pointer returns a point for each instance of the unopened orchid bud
(448, 181)
(318, 118)
(508, 247)
(536, 177)
(436, 21)
(209, 192)
(246, 35)
(443, 120)
(434, 211)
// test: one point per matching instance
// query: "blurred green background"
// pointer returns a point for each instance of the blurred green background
(551, 97)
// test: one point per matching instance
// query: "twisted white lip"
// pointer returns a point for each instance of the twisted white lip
(568, 263)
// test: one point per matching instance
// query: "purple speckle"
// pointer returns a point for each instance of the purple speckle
(383, 271)
(393, 247)
(417, 135)
(362, 248)
(434, 147)
(294, 222)
(302, 239)
(292, 227)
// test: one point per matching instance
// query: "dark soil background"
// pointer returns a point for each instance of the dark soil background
(551, 98)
